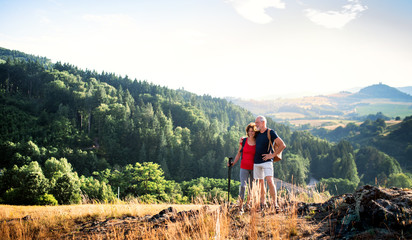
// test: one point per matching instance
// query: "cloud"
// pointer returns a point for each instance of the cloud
(336, 19)
(254, 10)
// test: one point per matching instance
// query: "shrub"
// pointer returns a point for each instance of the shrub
(337, 186)
(399, 180)
(10, 196)
(46, 199)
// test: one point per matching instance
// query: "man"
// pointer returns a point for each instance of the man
(263, 162)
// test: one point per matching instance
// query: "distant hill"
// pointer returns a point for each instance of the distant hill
(407, 90)
(344, 105)
(7, 54)
(382, 91)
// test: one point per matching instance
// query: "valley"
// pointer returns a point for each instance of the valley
(334, 110)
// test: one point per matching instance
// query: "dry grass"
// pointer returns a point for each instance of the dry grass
(8, 212)
(218, 222)
(46, 220)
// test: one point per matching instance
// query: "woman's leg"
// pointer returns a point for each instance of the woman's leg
(250, 184)
(243, 182)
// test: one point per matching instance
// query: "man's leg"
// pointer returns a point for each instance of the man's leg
(262, 192)
(258, 174)
(268, 172)
(272, 189)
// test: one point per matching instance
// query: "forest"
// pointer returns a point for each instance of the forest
(69, 134)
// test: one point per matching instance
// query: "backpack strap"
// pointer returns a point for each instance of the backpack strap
(270, 142)
(273, 146)
(243, 144)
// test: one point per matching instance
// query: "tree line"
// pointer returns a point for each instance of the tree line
(110, 131)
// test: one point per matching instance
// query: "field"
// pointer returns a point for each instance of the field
(299, 217)
(342, 105)
(390, 110)
(331, 124)
(144, 221)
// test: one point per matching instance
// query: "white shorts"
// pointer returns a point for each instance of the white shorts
(262, 170)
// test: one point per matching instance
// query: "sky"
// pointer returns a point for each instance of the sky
(250, 49)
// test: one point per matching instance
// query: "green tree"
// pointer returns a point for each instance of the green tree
(46, 199)
(64, 183)
(374, 165)
(23, 185)
(145, 181)
(399, 180)
(295, 169)
(67, 189)
(337, 186)
(93, 189)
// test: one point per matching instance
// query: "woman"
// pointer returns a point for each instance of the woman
(246, 153)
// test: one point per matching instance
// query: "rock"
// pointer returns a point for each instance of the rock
(369, 208)
(167, 210)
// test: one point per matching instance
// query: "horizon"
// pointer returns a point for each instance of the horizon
(222, 48)
(308, 94)
(268, 97)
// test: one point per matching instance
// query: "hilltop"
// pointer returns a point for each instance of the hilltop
(407, 90)
(343, 105)
(382, 91)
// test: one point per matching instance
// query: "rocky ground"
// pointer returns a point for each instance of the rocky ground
(368, 213)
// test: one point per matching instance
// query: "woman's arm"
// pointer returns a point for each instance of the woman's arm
(238, 153)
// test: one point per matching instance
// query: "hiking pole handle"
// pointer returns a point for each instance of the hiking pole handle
(230, 162)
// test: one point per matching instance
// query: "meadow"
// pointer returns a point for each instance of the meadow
(133, 220)
(401, 110)
(331, 124)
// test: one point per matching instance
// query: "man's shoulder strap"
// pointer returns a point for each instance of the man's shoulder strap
(279, 156)
(270, 140)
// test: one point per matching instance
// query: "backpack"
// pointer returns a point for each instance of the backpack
(273, 147)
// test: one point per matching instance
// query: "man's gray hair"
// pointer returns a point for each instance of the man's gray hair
(262, 118)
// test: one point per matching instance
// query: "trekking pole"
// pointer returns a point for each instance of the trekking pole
(228, 176)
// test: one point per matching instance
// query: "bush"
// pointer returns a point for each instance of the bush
(399, 180)
(11, 196)
(95, 190)
(218, 195)
(148, 198)
(337, 186)
(46, 199)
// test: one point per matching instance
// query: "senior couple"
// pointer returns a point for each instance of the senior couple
(257, 160)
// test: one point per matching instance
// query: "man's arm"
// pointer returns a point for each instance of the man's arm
(281, 146)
